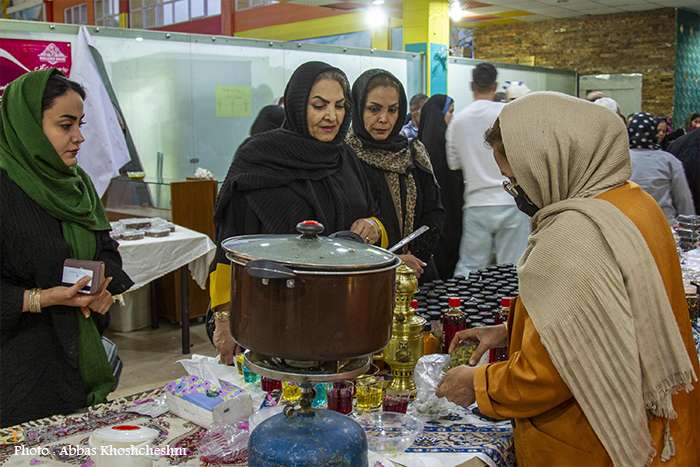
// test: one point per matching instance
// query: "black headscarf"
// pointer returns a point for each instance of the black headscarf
(432, 128)
(642, 131)
(395, 141)
(269, 118)
(431, 132)
(268, 165)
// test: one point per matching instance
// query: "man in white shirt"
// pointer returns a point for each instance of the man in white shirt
(493, 227)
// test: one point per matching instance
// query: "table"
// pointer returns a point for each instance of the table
(151, 258)
(459, 439)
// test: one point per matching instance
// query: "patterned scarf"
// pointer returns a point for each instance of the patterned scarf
(642, 131)
(394, 165)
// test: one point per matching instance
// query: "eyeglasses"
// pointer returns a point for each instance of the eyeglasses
(509, 186)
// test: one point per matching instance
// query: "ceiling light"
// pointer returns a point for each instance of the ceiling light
(376, 17)
(456, 12)
(377, 2)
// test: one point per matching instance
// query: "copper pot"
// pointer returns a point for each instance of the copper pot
(308, 297)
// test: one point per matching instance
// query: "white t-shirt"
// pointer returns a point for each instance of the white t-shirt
(467, 150)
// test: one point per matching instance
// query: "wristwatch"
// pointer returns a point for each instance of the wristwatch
(221, 315)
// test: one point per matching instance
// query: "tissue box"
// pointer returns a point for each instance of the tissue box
(203, 402)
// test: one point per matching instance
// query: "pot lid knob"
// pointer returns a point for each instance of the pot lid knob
(309, 229)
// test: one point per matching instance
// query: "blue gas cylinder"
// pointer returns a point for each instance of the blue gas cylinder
(317, 438)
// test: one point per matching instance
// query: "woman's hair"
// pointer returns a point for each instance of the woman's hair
(336, 75)
(494, 138)
(57, 86)
(691, 117)
(383, 81)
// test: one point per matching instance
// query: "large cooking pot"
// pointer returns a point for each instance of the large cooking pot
(310, 298)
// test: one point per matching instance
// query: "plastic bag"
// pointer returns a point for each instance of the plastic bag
(224, 444)
(427, 375)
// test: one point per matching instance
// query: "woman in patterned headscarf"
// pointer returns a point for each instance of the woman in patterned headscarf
(400, 173)
(657, 171)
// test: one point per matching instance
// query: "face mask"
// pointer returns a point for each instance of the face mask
(521, 199)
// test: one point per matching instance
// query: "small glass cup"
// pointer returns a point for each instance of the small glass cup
(249, 376)
(368, 393)
(340, 396)
(269, 384)
(396, 400)
(291, 392)
(239, 360)
(321, 398)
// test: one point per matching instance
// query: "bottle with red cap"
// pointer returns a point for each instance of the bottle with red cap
(453, 321)
(501, 354)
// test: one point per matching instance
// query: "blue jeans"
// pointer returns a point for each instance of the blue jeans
(490, 232)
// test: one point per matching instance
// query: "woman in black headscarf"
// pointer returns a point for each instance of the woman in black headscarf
(435, 116)
(399, 172)
(269, 118)
(301, 171)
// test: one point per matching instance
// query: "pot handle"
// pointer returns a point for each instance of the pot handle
(266, 269)
(347, 235)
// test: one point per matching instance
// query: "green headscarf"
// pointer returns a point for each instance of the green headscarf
(66, 193)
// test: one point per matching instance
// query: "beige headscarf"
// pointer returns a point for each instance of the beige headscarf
(587, 277)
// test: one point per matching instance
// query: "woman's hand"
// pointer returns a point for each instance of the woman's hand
(489, 337)
(367, 229)
(68, 296)
(224, 342)
(458, 386)
(102, 300)
(414, 263)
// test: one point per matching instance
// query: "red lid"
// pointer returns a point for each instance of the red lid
(507, 302)
(310, 222)
(454, 302)
(414, 304)
(126, 427)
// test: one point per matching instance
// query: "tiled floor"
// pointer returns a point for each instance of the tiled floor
(150, 355)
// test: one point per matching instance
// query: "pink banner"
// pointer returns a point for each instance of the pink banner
(18, 56)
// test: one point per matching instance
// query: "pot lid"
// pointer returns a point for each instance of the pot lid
(309, 250)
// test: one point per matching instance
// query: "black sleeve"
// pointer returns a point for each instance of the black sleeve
(237, 219)
(432, 214)
(360, 169)
(107, 252)
(11, 301)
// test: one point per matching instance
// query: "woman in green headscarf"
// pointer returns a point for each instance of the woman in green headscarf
(51, 357)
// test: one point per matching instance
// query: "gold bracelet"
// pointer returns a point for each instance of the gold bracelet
(35, 301)
(221, 315)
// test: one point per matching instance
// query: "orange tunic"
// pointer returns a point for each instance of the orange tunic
(550, 427)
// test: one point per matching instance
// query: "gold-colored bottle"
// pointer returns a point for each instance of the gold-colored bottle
(406, 343)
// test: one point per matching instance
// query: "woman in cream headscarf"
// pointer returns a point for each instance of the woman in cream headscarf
(601, 366)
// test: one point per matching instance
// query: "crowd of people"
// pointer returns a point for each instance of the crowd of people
(601, 359)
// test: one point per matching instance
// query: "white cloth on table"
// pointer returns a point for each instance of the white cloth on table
(151, 258)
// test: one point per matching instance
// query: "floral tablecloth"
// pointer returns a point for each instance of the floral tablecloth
(457, 438)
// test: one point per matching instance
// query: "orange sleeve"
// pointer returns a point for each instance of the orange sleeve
(525, 386)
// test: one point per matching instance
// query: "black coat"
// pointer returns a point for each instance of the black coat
(687, 150)
(39, 352)
(428, 211)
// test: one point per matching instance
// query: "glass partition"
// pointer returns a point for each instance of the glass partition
(194, 97)
(459, 77)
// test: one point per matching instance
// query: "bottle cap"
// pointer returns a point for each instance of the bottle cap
(454, 302)
(414, 304)
(506, 302)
